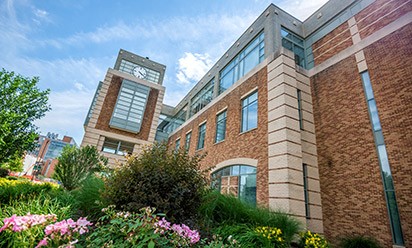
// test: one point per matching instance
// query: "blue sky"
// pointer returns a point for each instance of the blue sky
(71, 44)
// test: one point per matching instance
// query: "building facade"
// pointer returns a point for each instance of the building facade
(43, 159)
(311, 117)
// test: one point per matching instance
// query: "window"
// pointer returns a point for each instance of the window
(127, 66)
(294, 43)
(202, 98)
(220, 126)
(93, 104)
(300, 109)
(388, 186)
(201, 138)
(177, 144)
(130, 106)
(305, 190)
(249, 112)
(238, 180)
(117, 147)
(246, 60)
(187, 141)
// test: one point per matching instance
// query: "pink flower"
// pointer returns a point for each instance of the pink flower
(42, 242)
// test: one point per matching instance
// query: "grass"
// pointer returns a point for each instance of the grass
(227, 215)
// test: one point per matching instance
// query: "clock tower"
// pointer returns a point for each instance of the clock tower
(125, 110)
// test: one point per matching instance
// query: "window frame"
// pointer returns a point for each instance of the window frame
(188, 138)
(223, 122)
(247, 128)
(128, 112)
(201, 135)
(117, 150)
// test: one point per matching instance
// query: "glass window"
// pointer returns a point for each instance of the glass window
(130, 106)
(300, 109)
(249, 112)
(187, 141)
(294, 43)
(388, 185)
(117, 147)
(220, 127)
(201, 138)
(202, 98)
(177, 144)
(305, 189)
(246, 60)
(238, 180)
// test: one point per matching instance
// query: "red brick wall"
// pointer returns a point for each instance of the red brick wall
(390, 69)
(380, 14)
(110, 102)
(331, 44)
(351, 186)
(252, 144)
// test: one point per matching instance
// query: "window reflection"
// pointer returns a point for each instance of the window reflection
(238, 180)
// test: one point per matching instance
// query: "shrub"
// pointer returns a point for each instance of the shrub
(169, 181)
(76, 164)
(227, 215)
(42, 203)
(4, 172)
(312, 240)
(359, 242)
(89, 200)
(25, 230)
(143, 229)
(10, 190)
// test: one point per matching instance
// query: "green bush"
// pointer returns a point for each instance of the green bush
(359, 242)
(227, 215)
(10, 190)
(89, 200)
(4, 172)
(169, 181)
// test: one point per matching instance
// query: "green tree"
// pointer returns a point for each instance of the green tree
(76, 164)
(21, 103)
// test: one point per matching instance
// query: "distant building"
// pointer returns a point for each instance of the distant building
(43, 158)
(311, 117)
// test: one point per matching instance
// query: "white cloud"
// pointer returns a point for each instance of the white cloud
(192, 67)
(69, 110)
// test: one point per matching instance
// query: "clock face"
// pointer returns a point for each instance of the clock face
(140, 72)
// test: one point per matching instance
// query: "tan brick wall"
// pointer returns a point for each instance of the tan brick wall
(331, 44)
(251, 144)
(110, 102)
(390, 71)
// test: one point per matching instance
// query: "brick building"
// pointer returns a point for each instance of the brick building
(310, 117)
(44, 158)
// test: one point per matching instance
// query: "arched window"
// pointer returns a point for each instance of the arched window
(238, 180)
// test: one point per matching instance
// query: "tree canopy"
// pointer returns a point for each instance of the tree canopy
(21, 103)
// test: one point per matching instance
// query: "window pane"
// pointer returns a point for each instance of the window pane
(247, 189)
(367, 85)
(251, 60)
(374, 115)
(394, 213)
(252, 116)
(130, 106)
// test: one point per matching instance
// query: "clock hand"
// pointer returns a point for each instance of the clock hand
(141, 73)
